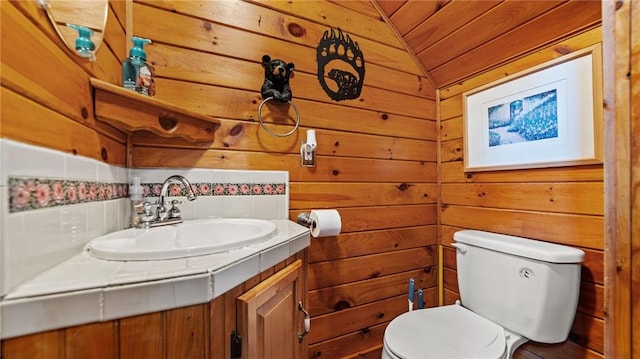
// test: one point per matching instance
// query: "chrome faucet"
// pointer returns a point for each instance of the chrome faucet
(163, 216)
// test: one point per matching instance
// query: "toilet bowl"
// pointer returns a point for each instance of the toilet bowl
(453, 332)
(501, 279)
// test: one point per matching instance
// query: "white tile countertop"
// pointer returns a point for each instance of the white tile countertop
(85, 289)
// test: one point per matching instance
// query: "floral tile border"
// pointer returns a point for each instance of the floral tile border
(35, 193)
(218, 189)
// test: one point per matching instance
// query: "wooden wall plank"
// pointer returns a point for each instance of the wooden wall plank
(336, 16)
(334, 195)
(350, 320)
(374, 352)
(349, 295)
(566, 197)
(249, 101)
(106, 66)
(63, 88)
(63, 75)
(116, 39)
(367, 267)
(355, 244)
(454, 172)
(573, 230)
(378, 52)
(565, 350)
(621, 179)
(67, 135)
(342, 346)
(635, 184)
(371, 218)
(243, 135)
(211, 68)
(339, 169)
(244, 105)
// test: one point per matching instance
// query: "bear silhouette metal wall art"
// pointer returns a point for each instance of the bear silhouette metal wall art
(340, 66)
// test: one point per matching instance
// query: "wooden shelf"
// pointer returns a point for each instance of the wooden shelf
(130, 111)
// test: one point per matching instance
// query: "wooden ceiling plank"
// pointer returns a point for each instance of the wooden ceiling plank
(390, 6)
(413, 13)
(442, 23)
(567, 20)
(489, 25)
(364, 7)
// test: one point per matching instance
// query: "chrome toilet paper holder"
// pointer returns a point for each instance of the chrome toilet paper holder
(304, 219)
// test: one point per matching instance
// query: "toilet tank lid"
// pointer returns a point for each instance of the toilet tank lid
(528, 248)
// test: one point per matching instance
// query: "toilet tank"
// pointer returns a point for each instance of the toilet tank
(527, 286)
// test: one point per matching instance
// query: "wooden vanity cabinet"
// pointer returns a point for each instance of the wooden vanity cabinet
(270, 320)
(263, 311)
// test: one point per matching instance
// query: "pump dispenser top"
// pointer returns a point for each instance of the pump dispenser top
(137, 74)
(137, 51)
(84, 46)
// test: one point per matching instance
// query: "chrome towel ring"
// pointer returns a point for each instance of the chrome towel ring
(271, 132)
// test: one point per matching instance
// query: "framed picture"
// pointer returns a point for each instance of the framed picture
(547, 116)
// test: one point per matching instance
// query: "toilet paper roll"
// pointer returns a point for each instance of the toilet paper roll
(325, 222)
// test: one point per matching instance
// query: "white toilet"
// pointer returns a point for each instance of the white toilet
(512, 290)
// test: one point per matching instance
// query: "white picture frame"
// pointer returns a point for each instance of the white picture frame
(546, 116)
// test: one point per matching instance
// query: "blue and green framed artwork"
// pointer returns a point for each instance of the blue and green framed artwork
(547, 116)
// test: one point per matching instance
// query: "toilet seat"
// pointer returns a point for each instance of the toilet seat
(444, 332)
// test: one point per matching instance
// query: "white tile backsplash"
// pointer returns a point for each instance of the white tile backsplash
(81, 168)
(239, 207)
(3, 229)
(151, 175)
(211, 206)
(3, 177)
(35, 240)
(268, 207)
(22, 160)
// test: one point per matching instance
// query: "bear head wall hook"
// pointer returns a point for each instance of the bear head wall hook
(276, 87)
(276, 79)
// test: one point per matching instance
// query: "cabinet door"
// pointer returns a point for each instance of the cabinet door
(268, 316)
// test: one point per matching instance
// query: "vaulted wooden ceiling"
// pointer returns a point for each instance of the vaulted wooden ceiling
(456, 39)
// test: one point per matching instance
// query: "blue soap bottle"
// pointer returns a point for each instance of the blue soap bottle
(84, 46)
(137, 74)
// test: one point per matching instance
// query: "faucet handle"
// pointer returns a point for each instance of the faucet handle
(147, 215)
(174, 211)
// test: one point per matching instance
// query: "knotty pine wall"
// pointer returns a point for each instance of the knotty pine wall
(376, 159)
(562, 205)
(46, 98)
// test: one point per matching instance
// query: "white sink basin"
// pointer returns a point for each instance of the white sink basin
(187, 239)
